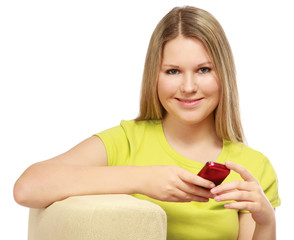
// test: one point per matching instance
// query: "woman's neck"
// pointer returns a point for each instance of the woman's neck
(190, 133)
(193, 141)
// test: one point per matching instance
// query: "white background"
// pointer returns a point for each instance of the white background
(69, 69)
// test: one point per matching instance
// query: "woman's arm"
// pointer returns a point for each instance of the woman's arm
(246, 226)
(83, 170)
(80, 171)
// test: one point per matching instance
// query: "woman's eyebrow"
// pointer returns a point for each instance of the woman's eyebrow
(176, 66)
(170, 66)
(205, 64)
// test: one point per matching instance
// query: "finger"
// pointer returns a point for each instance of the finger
(196, 180)
(195, 190)
(236, 196)
(249, 206)
(234, 185)
(244, 173)
(190, 197)
(181, 196)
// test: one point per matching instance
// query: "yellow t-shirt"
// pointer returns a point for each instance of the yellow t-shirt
(143, 143)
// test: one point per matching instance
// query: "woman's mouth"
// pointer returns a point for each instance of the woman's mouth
(188, 102)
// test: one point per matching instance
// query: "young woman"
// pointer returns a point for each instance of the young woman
(188, 116)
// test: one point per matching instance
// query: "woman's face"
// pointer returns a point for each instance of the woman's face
(188, 87)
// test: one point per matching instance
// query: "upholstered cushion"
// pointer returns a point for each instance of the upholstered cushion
(98, 217)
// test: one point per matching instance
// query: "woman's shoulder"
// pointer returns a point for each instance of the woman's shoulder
(242, 150)
(255, 161)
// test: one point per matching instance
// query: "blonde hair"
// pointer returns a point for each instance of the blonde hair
(193, 22)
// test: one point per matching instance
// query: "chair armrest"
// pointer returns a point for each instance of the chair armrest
(115, 216)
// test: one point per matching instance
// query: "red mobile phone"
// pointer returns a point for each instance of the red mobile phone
(215, 172)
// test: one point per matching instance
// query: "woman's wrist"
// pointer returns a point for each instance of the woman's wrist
(140, 179)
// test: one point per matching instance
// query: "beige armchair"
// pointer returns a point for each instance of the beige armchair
(119, 217)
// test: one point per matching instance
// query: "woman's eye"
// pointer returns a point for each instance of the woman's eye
(204, 70)
(172, 71)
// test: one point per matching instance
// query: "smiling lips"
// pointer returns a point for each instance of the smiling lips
(189, 103)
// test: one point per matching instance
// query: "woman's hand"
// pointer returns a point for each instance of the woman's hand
(248, 195)
(174, 184)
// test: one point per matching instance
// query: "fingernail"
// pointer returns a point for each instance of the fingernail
(212, 185)
(214, 190)
(217, 198)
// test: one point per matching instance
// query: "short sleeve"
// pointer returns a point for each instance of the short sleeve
(269, 183)
(116, 144)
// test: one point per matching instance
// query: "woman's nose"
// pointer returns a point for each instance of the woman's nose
(189, 83)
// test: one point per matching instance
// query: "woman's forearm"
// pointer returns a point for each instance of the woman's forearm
(42, 184)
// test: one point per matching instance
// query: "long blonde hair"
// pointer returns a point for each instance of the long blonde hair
(193, 22)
